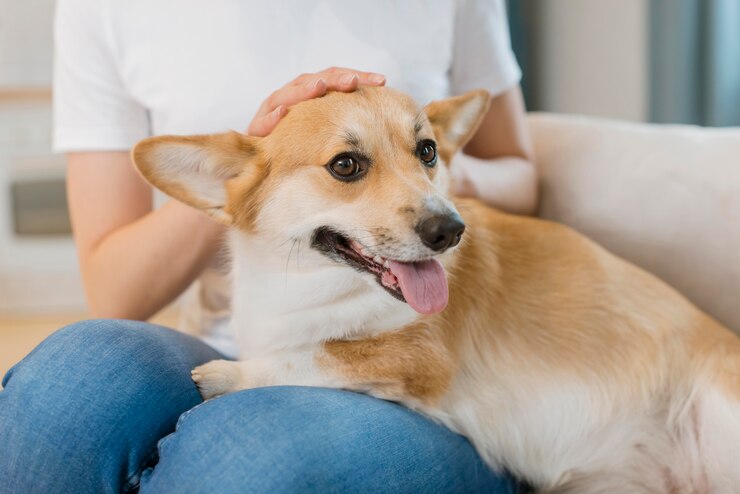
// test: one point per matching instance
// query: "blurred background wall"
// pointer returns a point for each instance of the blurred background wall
(38, 267)
(638, 60)
(665, 61)
(583, 56)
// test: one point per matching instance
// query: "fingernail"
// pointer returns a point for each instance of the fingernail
(317, 83)
(376, 78)
(277, 111)
(348, 79)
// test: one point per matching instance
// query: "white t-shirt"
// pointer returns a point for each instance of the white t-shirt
(125, 70)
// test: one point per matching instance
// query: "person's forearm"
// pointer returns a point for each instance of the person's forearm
(497, 164)
(138, 269)
(507, 183)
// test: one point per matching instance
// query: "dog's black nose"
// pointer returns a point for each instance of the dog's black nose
(441, 232)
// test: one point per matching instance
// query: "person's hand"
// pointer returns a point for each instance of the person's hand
(305, 87)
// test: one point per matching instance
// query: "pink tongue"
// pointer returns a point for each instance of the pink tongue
(424, 284)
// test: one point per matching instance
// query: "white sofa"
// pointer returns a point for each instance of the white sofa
(664, 197)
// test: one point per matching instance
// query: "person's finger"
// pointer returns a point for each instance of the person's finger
(366, 78)
(305, 87)
(264, 124)
(345, 82)
(335, 73)
(371, 79)
(290, 95)
(342, 81)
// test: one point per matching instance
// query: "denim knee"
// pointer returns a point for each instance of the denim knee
(295, 439)
(85, 409)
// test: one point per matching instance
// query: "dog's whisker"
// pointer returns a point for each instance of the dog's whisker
(298, 255)
(287, 262)
(288, 240)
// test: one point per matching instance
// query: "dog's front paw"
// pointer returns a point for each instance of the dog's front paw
(217, 377)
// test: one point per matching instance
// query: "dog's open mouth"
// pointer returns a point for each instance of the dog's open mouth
(421, 284)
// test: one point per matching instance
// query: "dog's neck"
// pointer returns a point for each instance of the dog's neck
(291, 295)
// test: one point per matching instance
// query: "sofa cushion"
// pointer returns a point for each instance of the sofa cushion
(664, 197)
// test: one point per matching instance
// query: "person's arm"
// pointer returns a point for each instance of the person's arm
(497, 163)
(134, 260)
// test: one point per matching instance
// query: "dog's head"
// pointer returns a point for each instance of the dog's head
(360, 176)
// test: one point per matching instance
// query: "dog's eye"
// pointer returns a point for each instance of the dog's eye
(428, 153)
(347, 168)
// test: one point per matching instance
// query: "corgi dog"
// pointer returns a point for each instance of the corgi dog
(353, 268)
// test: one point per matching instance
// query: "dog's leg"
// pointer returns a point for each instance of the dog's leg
(409, 366)
(288, 367)
(414, 366)
(218, 377)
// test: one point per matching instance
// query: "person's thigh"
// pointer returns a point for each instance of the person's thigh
(296, 439)
(83, 412)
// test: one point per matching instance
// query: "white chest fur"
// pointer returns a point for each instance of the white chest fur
(291, 296)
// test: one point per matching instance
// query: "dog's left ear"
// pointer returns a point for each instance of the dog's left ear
(200, 170)
(456, 119)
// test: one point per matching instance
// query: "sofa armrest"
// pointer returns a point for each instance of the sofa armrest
(664, 197)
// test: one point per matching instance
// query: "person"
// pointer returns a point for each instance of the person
(107, 405)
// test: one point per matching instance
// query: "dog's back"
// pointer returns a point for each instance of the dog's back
(613, 381)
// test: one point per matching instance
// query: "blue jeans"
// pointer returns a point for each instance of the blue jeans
(108, 406)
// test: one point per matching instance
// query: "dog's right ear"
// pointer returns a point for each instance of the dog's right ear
(196, 170)
(456, 119)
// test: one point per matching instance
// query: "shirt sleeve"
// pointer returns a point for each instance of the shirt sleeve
(482, 54)
(92, 109)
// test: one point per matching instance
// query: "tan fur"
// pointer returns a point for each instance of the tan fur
(235, 158)
(544, 290)
(444, 114)
(414, 362)
(538, 315)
